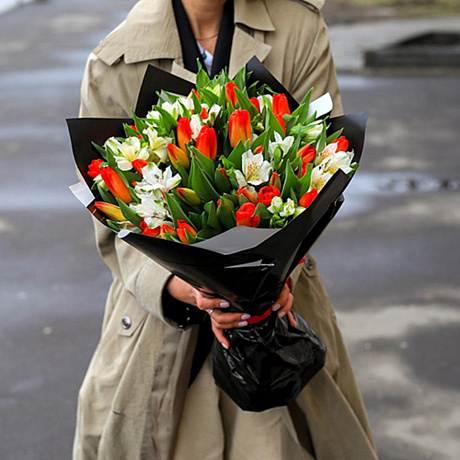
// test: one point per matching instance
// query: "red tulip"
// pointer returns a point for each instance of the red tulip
(230, 91)
(255, 101)
(279, 117)
(116, 184)
(239, 127)
(177, 155)
(280, 104)
(182, 227)
(110, 210)
(149, 231)
(206, 142)
(94, 168)
(245, 217)
(267, 193)
(342, 144)
(184, 132)
(308, 198)
(308, 153)
(138, 164)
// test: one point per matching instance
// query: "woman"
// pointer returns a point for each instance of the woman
(135, 401)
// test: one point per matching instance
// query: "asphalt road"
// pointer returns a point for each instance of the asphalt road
(390, 260)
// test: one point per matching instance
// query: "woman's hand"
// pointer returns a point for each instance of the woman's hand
(221, 320)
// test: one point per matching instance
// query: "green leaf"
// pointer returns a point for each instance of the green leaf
(168, 120)
(130, 132)
(206, 233)
(205, 163)
(226, 213)
(334, 136)
(196, 220)
(101, 150)
(183, 174)
(202, 79)
(236, 154)
(176, 210)
(199, 182)
(291, 182)
(262, 211)
(260, 140)
(196, 103)
(273, 123)
(245, 103)
(190, 238)
(113, 225)
(209, 97)
(301, 113)
(129, 213)
(305, 180)
(321, 144)
(222, 182)
(106, 195)
(211, 210)
(240, 78)
(111, 158)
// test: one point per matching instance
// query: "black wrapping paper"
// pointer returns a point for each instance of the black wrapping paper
(268, 363)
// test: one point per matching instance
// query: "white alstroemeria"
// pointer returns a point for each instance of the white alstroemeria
(112, 143)
(284, 144)
(155, 180)
(187, 102)
(266, 100)
(196, 124)
(329, 150)
(173, 109)
(338, 160)
(217, 90)
(319, 178)
(255, 169)
(214, 111)
(129, 150)
(150, 208)
(152, 117)
(312, 133)
(158, 146)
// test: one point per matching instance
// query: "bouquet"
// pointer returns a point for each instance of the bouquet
(227, 183)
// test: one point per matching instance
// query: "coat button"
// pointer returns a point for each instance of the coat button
(126, 322)
(309, 264)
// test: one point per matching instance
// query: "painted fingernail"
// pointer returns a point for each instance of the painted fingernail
(224, 304)
(276, 307)
(281, 314)
(242, 323)
(224, 345)
(245, 316)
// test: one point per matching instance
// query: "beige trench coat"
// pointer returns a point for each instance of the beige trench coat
(131, 400)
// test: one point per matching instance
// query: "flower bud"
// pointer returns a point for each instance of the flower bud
(110, 210)
(245, 217)
(116, 184)
(307, 153)
(181, 231)
(239, 127)
(206, 142)
(177, 155)
(308, 198)
(184, 132)
(275, 180)
(226, 212)
(167, 229)
(249, 194)
(255, 101)
(149, 231)
(230, 92)
(189, 196)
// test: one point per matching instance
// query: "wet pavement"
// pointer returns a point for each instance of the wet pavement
(390, 260)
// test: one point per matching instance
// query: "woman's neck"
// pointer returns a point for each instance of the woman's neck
(204, 17)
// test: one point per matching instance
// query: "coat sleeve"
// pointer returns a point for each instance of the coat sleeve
(104, 93)
(315, 68)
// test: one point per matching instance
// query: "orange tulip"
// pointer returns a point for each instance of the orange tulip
(308, 153)
(245, 217)
(280, 104)
(275, 180)
(206, 142)
(165, 229)
(239, 127)
(308, 198)
(230, 92)
(182, 227)
(342, 144)
(110, 210)
(116, 184)
(184, 132)
(251, 195)
(177, 155)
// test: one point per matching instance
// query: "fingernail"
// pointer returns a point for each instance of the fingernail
(224, 304)
(276, 307)
(224, 345)
(242, 324)
(245, 316)
(281, 314)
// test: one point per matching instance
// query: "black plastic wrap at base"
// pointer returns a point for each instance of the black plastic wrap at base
(268, 363)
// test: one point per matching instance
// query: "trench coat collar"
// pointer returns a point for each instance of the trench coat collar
(150, 33)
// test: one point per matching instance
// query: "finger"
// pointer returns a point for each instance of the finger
(226, 320)
(282, 298)
(221, 337)
(208, 303)
(292, 321)
(287, 306)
